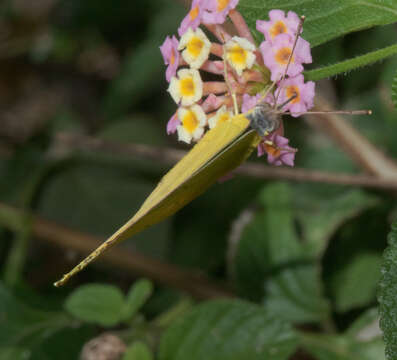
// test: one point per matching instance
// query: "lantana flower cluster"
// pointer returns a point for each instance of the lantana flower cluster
(243, 69)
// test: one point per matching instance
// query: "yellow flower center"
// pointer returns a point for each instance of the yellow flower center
(283, 55)
(293, 91)
(238, 55)
(272, 150)
(190, 122)
(278, 28)
(194, 13)
(187, 87)
(172, 59)
(195, 46)
(222, 5)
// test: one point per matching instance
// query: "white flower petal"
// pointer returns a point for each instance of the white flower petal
(173, 89)
(193, 120)
(198, 133)
(183, 135)
(240, 54)
(196, 47)
(212, 122)
(244, 43)
(185, 39)
(221, 115)
(200, 114)
(250, 60)
(187, 87)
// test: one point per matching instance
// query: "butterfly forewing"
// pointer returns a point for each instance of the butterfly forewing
(221, 150)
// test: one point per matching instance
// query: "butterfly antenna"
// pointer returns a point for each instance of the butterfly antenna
(332, 112)
(302, 20)
(339, 112)
(229, 86)
(287, 102)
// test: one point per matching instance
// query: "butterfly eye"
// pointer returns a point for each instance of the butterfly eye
(263, 120)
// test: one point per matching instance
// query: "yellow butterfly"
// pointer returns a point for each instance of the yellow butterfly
(221, 150)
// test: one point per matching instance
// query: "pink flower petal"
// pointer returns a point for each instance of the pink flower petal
(289, 25)
(305, 92)
(275, 15)
(274, 57)
(173, 124)
(249, 102)
(169, 50)
(212, 102)
(214, 15)
(286, 154)
(288, 158)
(194, 17)
(303, 52)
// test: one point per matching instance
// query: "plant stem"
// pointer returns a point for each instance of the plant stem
(365, 154)
(13, 267)
(169, 156)
(350, 64)
(16, 258)
(192, 282)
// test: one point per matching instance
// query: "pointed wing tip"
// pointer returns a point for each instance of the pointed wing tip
(61, 282)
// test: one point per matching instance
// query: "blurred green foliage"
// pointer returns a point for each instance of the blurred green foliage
(387, 295)
(300, 256)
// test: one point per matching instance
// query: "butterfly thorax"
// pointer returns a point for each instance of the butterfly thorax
(264, 119)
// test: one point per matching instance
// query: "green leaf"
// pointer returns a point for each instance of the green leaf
(193, 244)
(340, 347)
(325, 19)
(361, 341)
(228, 330)
(350, 64)
(143, 69)
(366, 326)
(97, 303)
(321, 212)
(137, 296)
(26, 327)
(9, 353)
(394, 90)
(353, 256)
(138, 351)
(381, 127)
(271, 263)
(295, 294)
(139, 129)
(349, 288)
(387, 295)
(65, 344)
(79, 196)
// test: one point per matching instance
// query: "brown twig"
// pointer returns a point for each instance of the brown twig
(365, 154)
(315, 176)
(198, 286)
(169, 156)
